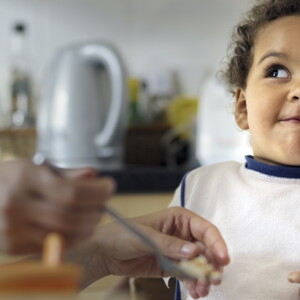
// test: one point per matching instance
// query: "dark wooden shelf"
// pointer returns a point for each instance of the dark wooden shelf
(146, 179)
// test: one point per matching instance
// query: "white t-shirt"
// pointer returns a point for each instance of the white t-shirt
(258, 215)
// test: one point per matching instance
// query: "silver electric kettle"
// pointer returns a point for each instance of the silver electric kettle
(83, 108)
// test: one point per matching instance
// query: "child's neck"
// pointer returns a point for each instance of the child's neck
(271, 162)
(266, 161)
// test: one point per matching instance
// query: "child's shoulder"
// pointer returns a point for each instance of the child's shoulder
(217, 169)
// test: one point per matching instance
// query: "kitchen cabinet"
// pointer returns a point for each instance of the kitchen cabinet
(142, 180)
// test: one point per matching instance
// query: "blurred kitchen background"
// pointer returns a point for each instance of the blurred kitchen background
(58, 62)
(177, 116)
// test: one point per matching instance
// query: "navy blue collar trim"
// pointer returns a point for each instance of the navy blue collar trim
(277, 171)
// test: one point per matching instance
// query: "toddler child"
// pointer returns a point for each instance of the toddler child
(256, 205)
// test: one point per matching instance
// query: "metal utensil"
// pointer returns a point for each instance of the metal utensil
(172, 268)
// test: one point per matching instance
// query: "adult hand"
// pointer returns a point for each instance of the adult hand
(175, 230)
(35, 201)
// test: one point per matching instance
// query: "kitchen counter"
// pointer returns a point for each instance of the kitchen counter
(146, 179)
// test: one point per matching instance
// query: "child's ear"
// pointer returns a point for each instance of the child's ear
(241, 114)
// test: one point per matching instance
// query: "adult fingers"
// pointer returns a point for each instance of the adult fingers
(93, 191)
(187, 225)
(184, 224)
(22, 238)
(212, 238)
(205, 232)
(55, 218)
(173, 247)
(80, 173)
(80, 194)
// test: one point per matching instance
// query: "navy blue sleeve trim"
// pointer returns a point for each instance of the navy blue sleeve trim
(182, 204)
(177, 291)
(182, 191)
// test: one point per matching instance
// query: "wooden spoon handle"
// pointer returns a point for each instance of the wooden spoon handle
(53, 249)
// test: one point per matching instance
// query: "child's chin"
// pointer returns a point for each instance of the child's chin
(290, 160)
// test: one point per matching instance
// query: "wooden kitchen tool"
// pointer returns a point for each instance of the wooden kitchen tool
(49, 276)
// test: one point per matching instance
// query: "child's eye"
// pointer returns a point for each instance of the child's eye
(277, 72)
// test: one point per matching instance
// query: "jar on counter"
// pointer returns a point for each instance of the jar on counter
(21, 81)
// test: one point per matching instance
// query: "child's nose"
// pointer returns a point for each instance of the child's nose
(294, 93)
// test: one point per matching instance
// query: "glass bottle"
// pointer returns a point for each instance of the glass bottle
(21, 89)
(134, 113)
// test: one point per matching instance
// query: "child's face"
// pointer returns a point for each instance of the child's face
(269, 106)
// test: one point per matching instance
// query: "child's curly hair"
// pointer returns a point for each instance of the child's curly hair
(240, 53)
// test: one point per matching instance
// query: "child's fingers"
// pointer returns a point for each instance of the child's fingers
(294, 277)
(196, 288)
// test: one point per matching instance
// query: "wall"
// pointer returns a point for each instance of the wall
(187, 36)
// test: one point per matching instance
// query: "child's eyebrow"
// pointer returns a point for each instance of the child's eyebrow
(272, 54)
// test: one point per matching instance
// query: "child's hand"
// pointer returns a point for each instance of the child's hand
(200, 288)
(294, 277)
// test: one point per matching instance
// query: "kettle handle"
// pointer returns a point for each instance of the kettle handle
(108, 56)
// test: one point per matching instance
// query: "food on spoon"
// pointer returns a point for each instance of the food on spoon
(201, 269)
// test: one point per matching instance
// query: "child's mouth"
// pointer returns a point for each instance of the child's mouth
(295, 120)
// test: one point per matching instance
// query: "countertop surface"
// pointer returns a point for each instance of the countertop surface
(146, 179)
